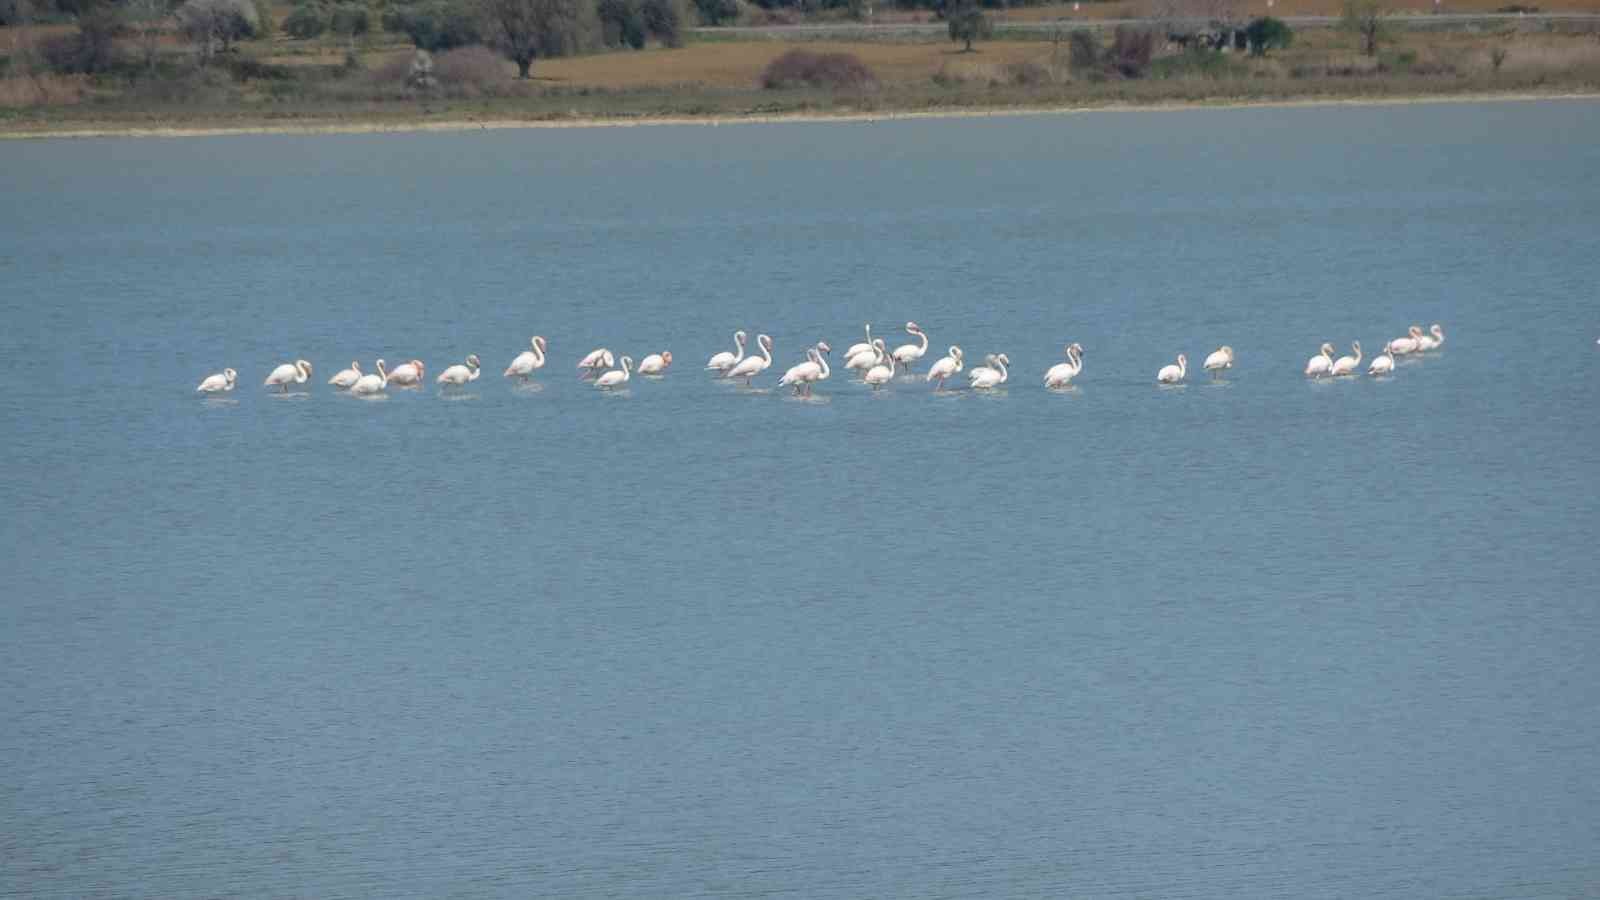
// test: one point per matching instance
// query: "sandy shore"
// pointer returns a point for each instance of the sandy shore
(360, 127)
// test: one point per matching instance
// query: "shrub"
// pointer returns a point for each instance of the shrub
(433, 25)
(717, 12)
(92, 48)
(664, 20)
(802, 68)
(1083, 50)
(476, 66)
(1497, 58)
(621, 24)
(1267, 33)
(1131, 49)
(306, 21)
(350, 20)
(1027, 73)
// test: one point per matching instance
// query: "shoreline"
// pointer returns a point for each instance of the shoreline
(355, 126)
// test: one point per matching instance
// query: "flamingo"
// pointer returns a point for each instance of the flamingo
(457, 375)
(371, 384)
(345, 378)
(289, 373)
(1346, 365)
(882, 373)
(219, 383)
(408, 374)
(528, 360)
(1382, 364)
(1174, 374)
(597, 360)
(984, 377)
(808, 373)
(1322, 363)
(656, 363)
(1221, 359)
(907, 354)
(615, 378)
(722, 362)
(864, 347)
(1433, 340)
(1401, 346)
(751, 366)
(1061, 374)
(860, 360)
(944, 368)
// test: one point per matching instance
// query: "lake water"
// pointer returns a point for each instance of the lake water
(1258, 638)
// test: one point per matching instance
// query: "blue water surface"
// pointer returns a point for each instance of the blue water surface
(1252, 638)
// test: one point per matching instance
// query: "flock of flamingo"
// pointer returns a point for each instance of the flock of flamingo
(871, 359)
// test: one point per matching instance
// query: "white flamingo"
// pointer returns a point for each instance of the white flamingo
(1221, 359)
(945, 367)
(1174, 374)
(1061, 374)
(863, 347)
(219, 383)
(753, 365)
(595, 362)
(1322, 363)
(655, 364)
(1433, 340)
(1401, 346)
(1382, 364)
(722, 362)
(857, 359)
(289, 373)
(457, 375)
(615, 377)
(808, 373)
(906, 355)
(882, 373)
(408, 374)
(371, 384)
(994, 375)
(344, 379)
(1347, 365)
(528, 361)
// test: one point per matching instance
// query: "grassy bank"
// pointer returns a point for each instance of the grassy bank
(313, 86)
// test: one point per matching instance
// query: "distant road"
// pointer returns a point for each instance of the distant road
(916, 29)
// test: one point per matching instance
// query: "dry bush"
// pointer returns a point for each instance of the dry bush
(476, 67)
(960, 72)
(393, 71)
(802, 68)
(1531, 57)
(42, 90)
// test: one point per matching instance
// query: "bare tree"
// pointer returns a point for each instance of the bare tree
(1367, 19)
(216, 24)
(526, 30)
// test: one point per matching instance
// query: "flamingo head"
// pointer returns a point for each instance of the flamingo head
(1327, 349)
(230, 375)
(740, 337)
(538, 343)
(421, 369)
(764, 341)
(955, 353)
(1356, 346)
(381, 370)
(1415, 331)
(666, 358)
(472, 360)
(913, 328)
(823, 346)
(1076, 348)
(355, 366)
(878, 343)
(1437, 331)
(1183, 361)
(1003, 359)
(302, 364)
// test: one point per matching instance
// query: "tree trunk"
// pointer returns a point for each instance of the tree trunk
(969, 46)
(524, 64)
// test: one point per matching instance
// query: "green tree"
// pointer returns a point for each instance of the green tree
(967, 23)
(1267, 33)
(526, 30)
